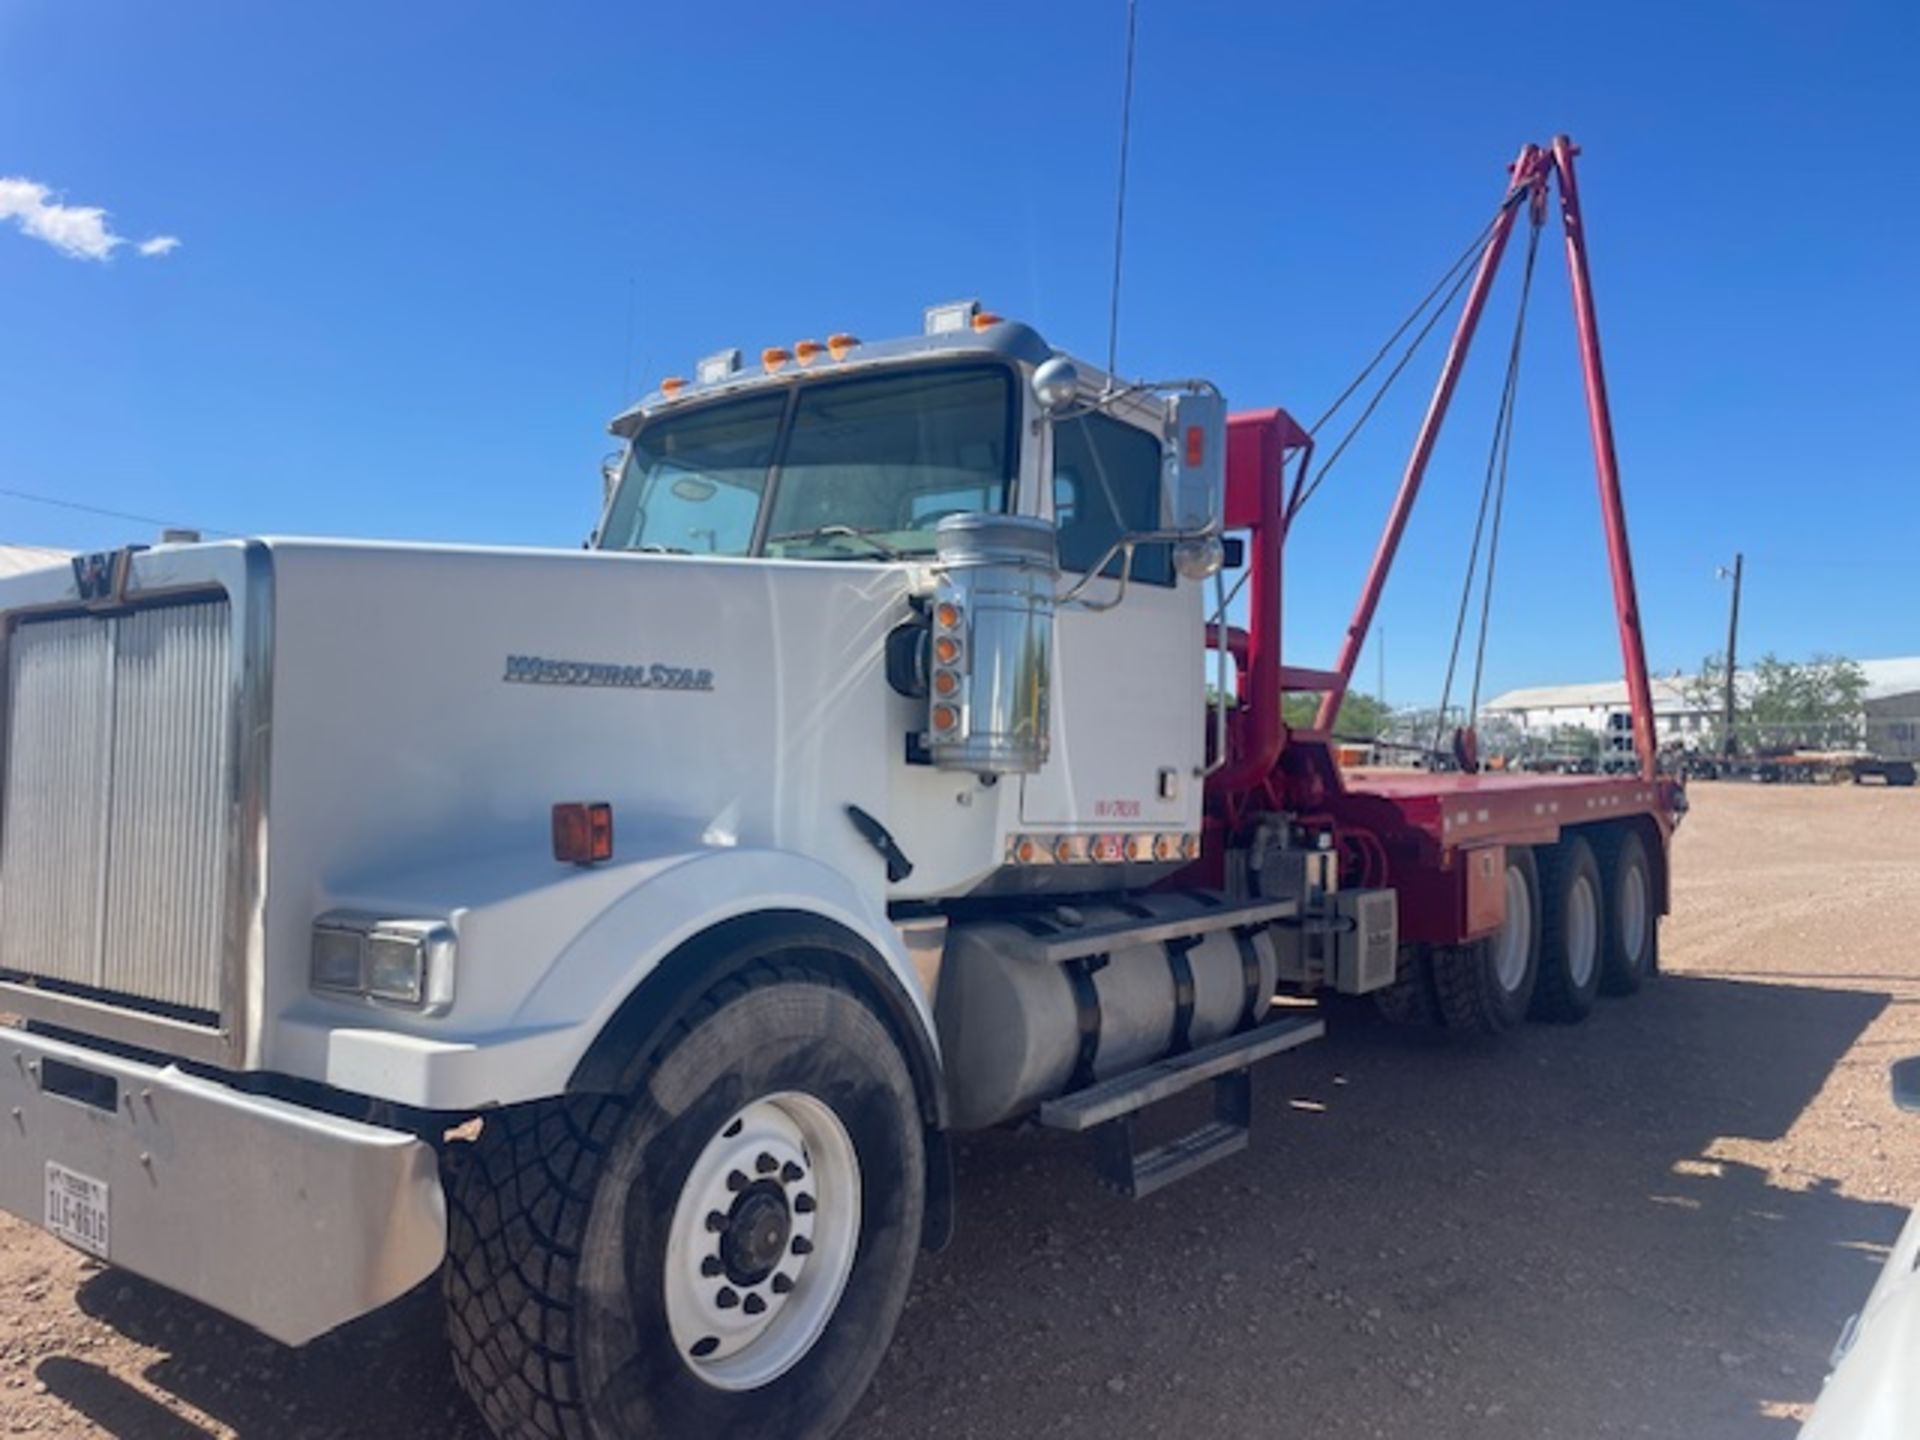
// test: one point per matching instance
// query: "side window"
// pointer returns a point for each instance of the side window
(1106, 483)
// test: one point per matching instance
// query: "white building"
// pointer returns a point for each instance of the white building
(1543, 709)
(1891, 706)
(14, 559)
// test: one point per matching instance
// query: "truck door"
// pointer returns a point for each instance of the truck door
(1128, 712)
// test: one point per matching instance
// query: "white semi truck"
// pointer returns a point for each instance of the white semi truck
(622, 932)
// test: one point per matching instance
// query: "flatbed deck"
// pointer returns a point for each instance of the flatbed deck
(1509, 808)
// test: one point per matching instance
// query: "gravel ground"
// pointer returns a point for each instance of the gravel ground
(1650, 1224)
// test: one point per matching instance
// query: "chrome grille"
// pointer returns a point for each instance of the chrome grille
(113, 841)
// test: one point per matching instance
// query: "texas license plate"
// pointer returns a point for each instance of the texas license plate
(77, 1208)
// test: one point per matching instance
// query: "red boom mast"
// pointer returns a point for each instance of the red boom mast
(1531, 175)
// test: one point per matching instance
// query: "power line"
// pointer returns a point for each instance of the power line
(111, 514)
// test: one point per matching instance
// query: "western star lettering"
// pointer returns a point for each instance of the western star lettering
(539, 670)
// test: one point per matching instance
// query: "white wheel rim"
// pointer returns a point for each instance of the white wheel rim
(1583, 931)
(762, 1241)
(1516, 933)
(1633, 915)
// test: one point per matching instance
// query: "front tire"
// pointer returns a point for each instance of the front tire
(725, 1251)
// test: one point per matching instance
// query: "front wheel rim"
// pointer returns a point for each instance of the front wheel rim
(1583, 931)
(762, 1241)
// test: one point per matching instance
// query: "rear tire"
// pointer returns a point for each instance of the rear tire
(1630, 953)
(1409, 1000)
(1571, 935)
(1485, 986)
(616, 1269)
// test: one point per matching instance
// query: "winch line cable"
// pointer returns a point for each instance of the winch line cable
(1500, 490)
(1445, 290)
(1495, 476)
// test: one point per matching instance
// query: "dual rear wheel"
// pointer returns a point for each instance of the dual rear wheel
(1580, 921)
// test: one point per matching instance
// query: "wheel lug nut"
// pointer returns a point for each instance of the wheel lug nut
(737, 1180)
(766, 1164)
(711, 1266)
(803, 1204)
(716, 1222)
(782, 1284)
(791, 1172)
(755, 1305)
(705, 1347)
(802, 1245)
(726, 1299)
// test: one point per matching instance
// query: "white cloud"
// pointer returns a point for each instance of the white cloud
(77, 231)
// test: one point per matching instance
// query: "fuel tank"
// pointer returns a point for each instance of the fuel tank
(1016, 1030)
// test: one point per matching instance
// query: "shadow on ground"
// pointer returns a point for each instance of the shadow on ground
(1522, 1238)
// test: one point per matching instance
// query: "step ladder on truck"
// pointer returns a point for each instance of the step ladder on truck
(622, 933)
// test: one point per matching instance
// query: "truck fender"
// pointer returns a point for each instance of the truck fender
(661, 946)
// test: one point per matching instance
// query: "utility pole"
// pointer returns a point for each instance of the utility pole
(1727, 744)
(1381, 693)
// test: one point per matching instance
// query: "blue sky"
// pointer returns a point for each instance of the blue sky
(427, 250)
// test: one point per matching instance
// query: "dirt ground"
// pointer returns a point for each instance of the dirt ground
(1651, 1224)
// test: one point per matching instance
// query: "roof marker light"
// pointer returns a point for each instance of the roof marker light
(840, 344)
(672, 386)
(807, 351)
(772, 358)
(986, 320)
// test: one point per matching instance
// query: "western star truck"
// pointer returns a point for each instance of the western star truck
(621, 933)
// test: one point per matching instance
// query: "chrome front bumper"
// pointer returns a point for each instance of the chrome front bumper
(290, 1219)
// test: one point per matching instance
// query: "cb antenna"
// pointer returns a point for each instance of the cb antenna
(1120, 201)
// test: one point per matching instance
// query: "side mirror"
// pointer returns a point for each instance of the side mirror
(1906, 1083)
(1196, 465)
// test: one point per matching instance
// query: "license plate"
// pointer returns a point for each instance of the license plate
(77, 1208)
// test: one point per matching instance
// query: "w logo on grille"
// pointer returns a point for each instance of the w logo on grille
(103, 575)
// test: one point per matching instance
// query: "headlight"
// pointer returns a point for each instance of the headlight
(406, 963)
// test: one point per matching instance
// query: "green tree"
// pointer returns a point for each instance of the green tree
(1812, 702)
(1361, 717)
(1782, 703)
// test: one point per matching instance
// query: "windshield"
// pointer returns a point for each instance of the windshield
(693, 481)
(857, 469)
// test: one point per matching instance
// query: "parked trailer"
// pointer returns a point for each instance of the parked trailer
(1804, 767)
(623, 932)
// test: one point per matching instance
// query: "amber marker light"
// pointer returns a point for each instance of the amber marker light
(945, 717)
(583, 832)
(841, 345)
(946, 616)
(945, 683)
(672, 386)
(946, 649)
(805, 352)
(772, 358)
